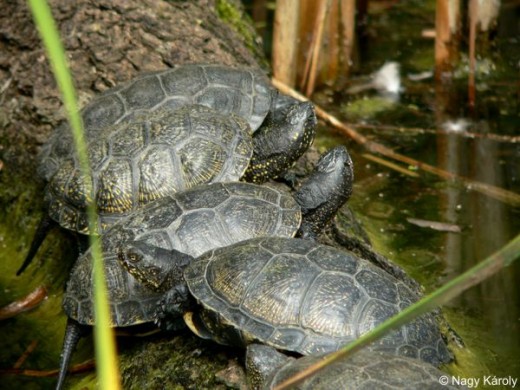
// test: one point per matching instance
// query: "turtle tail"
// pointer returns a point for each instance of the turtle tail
(45, 226)
(73, 334)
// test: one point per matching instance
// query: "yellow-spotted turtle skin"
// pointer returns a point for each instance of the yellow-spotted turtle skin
(300, 296)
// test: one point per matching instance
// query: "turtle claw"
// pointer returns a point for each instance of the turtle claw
(46, 224)
(73, 333)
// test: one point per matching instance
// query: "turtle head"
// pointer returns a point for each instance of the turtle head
(302, 115)
(300, 128)
(281, 141)
(154, 267)
(328, 187)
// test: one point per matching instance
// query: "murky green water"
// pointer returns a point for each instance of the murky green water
(487, 316)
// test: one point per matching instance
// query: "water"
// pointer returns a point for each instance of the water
(486, 316)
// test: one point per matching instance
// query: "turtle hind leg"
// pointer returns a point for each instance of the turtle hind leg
(45, 226)
(171, 308)
(73, 334)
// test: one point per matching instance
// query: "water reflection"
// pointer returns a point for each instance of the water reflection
(488, 315)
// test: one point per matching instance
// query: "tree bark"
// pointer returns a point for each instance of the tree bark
(107, 42)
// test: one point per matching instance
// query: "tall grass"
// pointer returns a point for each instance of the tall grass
(106, 357)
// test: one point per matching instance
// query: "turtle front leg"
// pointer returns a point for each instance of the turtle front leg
(171, 308)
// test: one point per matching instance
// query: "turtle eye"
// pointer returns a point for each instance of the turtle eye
(133, 257)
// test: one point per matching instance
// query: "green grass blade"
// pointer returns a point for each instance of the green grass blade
(483, 270)
(107, 365)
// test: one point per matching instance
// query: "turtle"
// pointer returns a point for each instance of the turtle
(293, 294)
(190, 223)
(365, 369)
(164, 132)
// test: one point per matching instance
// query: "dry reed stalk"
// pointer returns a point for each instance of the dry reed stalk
(348, 24)
(285, 40)
(26, 303)
(311, 66)
(75, 369)
(330, 59)
(473, 20)
(447, 21)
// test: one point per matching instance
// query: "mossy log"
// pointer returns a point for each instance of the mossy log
(107, 42)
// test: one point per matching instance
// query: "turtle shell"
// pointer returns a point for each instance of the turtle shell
(364, 370)
(242, 91)
(300, 296)
(133, 163)
(193, 222)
